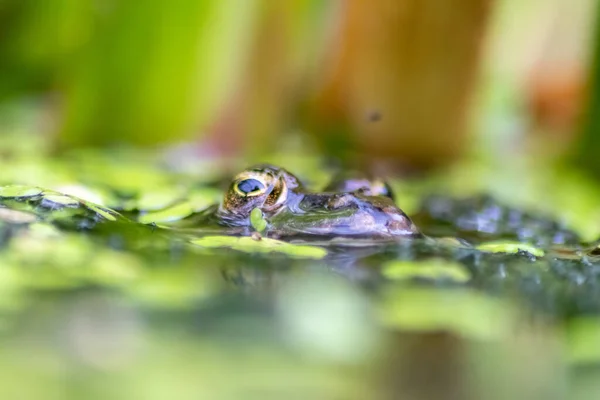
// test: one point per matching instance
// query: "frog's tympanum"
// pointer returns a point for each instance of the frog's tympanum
(357, 208)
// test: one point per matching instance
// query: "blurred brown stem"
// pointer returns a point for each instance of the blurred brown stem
(411, 62)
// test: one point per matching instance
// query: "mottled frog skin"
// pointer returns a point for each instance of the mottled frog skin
(359, 207)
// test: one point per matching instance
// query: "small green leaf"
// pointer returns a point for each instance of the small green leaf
(510, 247)
(265, 245)
(106, 214)
(204, 197)
(173, 213)
(19, 191)
(257, 220)
(157, 199)
(428, 269)
(53, 200)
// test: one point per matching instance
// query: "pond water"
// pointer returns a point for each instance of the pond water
(104, 297)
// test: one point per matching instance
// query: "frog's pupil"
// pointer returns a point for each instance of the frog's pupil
(250, 185)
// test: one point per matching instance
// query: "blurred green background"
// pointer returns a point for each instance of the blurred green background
(406, 84)
(495, 95)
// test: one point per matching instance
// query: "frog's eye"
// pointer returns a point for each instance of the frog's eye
(250, 187)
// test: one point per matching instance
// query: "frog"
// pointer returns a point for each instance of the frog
(348, 207)
(352, 181)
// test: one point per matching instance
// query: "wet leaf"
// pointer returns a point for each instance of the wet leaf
(56, 201)
(265, 245)
(427, 269)
(257, 220)
(510, 247)
(173, 213)
(202, 198)
(19, 191)
(155, 200)
(104, 213)
(85, 193)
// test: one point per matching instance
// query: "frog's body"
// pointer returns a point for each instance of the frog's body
(290, 210)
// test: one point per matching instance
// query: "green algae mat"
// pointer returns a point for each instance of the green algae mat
(104, 295)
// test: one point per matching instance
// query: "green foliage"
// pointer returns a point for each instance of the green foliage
(127, 71)
(55, 207)
(263, 245)
(426, 269)
(19, 191)
(510, 247)
(463, 312)
(101, 298)
(257, 220)
(172, 213)
(586, 148)
(583, 334)
(83, 255)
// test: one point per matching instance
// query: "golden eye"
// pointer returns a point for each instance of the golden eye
(250, 187)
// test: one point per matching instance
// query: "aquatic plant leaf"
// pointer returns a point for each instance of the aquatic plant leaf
(19, 191)
(202, 198)
(123, 177)
(56, 201)
(257, 220)
(434, 268)
(46, 258)
(157, 200)
(50, 205)
(510, 247)
(464, 312)
(169, 214)
(264, 245)
(103, 212)
(94, 195)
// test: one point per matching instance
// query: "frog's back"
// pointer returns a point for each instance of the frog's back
(343, 214)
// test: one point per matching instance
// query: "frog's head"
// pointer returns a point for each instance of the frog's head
(264, 186)
(363, 184)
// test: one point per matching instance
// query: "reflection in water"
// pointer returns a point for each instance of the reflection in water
(299, 332)
(150, 312)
